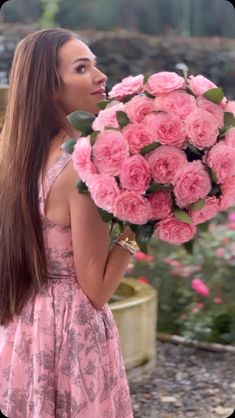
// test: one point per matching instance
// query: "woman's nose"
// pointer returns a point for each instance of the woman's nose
(100, 77)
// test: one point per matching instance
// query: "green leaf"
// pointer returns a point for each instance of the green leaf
(215, 191)
(93, 137)
(144, 234)
(106, 216)
(229, 119)
(146, 77)
(81, 121)
(203, 227)
(198, 205)
(182, 216)
(215, 95)
(189, 246)
(149, 148)
(122, 118)
(102, 105)
(155, 187)
(82, 187)
(68, 146)
(151, 96)
(212, 175)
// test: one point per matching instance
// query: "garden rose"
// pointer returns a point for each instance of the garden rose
(230, 107)
(161, 204)
(166, 128)
(175, 231)
(200, 287)
(138, 107)
(164, 82)
(200, 84)
(178, 102)
(107, 117)
(132, 207)
(137, 136)
(128, 86)
(103, 190)
(140, 256)
(202, 128)
(221, 159)
(191, 183)
(82, 159)
(109, 152)
(227, 199)
(209, 210)
(212, 108)
(229, 137)
(135, 174)
(164, 162)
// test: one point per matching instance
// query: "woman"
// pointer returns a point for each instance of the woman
(59, 347)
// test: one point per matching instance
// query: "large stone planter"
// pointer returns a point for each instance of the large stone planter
(134, 307)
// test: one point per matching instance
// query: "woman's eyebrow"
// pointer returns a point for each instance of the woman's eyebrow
(83, 59)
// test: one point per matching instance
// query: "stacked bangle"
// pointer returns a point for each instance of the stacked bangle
(129, 245)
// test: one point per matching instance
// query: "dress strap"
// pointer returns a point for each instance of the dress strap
(51, 175)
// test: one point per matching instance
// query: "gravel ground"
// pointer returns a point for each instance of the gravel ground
(187, 382)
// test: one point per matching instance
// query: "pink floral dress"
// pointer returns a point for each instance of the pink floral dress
(61, 358)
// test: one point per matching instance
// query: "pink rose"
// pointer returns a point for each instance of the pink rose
(160, 202)
(137, 136)
(213, 108)
(210, 209)
(174, 231)
(146, 258)
(164, 162)
(135, 174)
(138, 107)
(132, 207)
(227, 199)
(197, 307)
(191, 183)
(166, 128)
(107, 117)
(230, 107)
(103, 190)
(109, 152)
(200, 287)
(128, 86)
(200, 84)
(178, 102)
(82, 159)
(164, 82)
(229, 137)
(202, 128)
(221, 159)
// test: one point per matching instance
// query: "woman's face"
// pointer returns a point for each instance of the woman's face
(84, 83)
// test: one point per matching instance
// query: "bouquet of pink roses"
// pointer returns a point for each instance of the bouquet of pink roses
(160, 155)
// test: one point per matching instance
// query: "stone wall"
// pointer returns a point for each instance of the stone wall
(121, 53)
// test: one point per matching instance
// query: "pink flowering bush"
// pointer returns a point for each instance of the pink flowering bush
(159, 156)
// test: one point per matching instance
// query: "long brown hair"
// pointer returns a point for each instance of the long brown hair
(32, 118)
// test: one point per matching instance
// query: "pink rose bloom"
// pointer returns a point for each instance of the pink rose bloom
(197, 307)
(164, 162)
(132, 207)
(221, 159)
(128, 86)
(161, 204)
(109, 152)
(135, 174)
(82, 159)
(213, 108)
(231, 216)
(143, 280)
(146, 258)
(175, 231)
(178, 102)
(218, 300)
(200, 287)
(219, 252)
(137, 136)
(164, 82)
(210, 209)
(138, 107)
(166, 128)
(202, 128)
(103, 190)
(230, 107)
(200, 84)
(227, 199)
(107, 117)
(191, 183)
(229, 137)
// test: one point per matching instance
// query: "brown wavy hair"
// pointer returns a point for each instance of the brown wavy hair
(32, 118)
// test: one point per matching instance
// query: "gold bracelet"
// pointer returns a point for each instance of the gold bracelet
(129, 245)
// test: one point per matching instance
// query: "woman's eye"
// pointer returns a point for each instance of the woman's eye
(81, 69)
